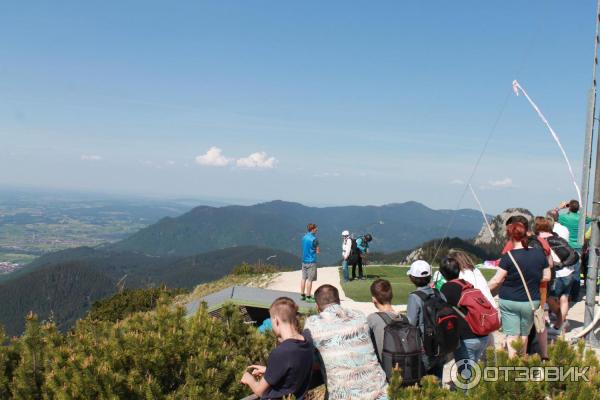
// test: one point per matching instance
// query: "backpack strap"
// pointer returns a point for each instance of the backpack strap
(385, 317)
(459, 312)
(512, 258)
(421, 295)
(462, 283)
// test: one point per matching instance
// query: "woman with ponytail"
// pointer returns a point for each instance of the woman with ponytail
(515, 308)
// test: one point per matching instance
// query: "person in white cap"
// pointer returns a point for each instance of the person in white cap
(346, 248)
(420, 275)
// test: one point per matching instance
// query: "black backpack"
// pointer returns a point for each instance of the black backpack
(354, 253)
(563, 251)
(402, 348)
(441, 335)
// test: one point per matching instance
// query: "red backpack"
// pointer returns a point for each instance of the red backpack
(481, 316)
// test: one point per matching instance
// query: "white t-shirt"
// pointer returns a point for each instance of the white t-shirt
(563, 272)
(346, 247)
(561, 231)
(476, 278)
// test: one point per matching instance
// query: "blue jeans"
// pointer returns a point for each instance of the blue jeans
(345, 270)
(471, 349)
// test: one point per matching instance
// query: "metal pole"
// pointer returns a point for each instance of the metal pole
(594, 257)
(594, 248)
(589, 137)
(587, 165)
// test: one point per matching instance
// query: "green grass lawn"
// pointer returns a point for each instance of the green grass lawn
(359, 290)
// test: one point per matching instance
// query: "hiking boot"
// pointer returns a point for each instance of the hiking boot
(302, 297)
(310, 299)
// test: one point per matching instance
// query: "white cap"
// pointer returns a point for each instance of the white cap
(345, 233)
(419, 269)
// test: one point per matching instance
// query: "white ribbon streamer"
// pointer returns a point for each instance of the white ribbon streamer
(516, 87)
(482, 212)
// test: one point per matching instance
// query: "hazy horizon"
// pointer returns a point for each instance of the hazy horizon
(195, 201)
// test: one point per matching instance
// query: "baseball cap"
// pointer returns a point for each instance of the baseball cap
(419, 269)
(345, 233)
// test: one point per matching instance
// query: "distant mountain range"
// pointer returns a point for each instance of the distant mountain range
(280, 225)
(205, 244)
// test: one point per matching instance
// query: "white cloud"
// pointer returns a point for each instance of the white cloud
(213, 158)
(457, 182)
(91, 157)
(502, 183)
(170, 162)
(257, 160)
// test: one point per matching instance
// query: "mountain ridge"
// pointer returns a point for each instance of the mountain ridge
(63, 285)
(280, 224)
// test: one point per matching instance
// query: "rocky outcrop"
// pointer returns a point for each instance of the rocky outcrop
(417, 254)
(498, 224)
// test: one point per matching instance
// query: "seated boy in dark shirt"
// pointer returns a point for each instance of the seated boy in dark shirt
(289, 365)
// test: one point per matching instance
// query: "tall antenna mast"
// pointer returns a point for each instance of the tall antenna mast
(594, 248)
(589, 137)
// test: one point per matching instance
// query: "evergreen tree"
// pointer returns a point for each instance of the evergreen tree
(33, 348)
(4, 363)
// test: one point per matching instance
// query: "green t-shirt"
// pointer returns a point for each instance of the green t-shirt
(438, 280)
(571, 221)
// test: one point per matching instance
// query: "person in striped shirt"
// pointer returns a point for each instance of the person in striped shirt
(346, 351)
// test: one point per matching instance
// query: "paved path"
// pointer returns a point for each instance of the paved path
(290, 281)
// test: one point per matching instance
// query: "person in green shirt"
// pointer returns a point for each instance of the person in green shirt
(570, 219)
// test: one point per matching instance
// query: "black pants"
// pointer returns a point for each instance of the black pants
(360, 268)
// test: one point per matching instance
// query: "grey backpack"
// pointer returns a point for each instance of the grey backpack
(402, 349)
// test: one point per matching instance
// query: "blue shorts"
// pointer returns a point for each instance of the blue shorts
(561, 286)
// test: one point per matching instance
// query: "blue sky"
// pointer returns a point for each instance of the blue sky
(318, 102)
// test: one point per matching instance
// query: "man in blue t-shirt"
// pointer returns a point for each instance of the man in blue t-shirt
(310, 250)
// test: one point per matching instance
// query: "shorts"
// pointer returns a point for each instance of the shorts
(309, 272)
(517, 317)
(561, 286)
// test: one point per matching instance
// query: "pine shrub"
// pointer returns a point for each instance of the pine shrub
(165, 355)
(561, 355)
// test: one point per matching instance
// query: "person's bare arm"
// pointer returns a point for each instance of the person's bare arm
(496, 281)
(258, 370)
(258, 387)
(546, 275)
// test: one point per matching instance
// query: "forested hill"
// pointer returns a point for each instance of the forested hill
(280, 225)
(63, 285)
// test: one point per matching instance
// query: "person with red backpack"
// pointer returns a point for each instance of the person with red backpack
(478, 317)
